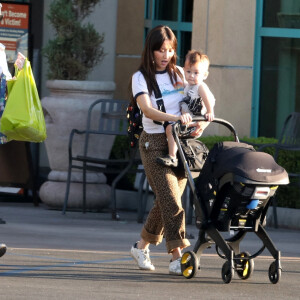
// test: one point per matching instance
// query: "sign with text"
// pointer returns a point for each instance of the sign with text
(14, 30)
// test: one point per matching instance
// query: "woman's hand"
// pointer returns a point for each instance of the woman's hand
(186, 118)
(199, 127)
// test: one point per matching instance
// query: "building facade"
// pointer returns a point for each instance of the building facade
(253, 46)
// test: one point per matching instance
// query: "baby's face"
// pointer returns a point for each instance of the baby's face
(196, 73)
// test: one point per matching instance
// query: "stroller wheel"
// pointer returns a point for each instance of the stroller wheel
(274, 272)
(189, 264)
(227, 272)
(244, 267)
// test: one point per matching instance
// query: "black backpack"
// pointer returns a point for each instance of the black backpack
(195, 153)
(135, 115)
(135, 125)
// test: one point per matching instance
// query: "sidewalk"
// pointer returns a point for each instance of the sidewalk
(30, 226)
(286, 217)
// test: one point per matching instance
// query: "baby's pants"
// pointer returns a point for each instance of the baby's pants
(167, 217)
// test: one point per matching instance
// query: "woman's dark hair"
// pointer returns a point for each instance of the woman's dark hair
(154, 41)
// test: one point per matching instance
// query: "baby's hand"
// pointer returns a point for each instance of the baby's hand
(209, 117)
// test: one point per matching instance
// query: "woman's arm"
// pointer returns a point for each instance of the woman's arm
(156, 115)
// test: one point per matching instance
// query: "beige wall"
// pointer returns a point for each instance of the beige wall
(129, 43)
(224, 29)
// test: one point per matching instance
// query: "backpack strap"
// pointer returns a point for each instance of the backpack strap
(159, 102)
(157, 91)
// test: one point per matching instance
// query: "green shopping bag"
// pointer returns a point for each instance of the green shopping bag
(23, 118)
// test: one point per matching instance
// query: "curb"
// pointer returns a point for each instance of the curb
(286, 217)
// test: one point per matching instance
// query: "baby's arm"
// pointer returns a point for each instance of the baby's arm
(208, 99)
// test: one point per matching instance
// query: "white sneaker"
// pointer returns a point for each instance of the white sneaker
(175, 267)
(142, 257)
(2, 249)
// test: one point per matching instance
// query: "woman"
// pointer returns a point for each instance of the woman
(167, 218)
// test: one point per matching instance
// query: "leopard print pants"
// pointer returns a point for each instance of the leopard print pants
(167, 217)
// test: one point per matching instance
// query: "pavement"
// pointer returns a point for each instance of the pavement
(86, 256)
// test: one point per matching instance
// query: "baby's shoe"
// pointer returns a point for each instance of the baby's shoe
(167, 161)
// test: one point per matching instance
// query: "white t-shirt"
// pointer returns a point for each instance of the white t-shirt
(171, 95)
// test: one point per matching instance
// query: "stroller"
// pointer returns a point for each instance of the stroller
(232, 194)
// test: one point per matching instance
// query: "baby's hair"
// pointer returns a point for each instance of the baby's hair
(194, 56)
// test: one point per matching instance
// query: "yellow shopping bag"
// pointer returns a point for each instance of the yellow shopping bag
(23, 118)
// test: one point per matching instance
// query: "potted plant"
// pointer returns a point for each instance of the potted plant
(77, 47)
(72, 53)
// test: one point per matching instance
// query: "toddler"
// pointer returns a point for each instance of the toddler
(198, 99)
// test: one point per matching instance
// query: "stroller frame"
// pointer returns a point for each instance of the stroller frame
(241, 263)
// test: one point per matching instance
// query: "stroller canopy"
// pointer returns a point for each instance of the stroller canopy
(241, 159)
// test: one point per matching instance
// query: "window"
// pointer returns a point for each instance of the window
(166, 10)
(177, 14)
(280, 83)
(276, 88)
(278, 13)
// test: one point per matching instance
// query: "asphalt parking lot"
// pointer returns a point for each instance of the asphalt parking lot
(86, 256)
